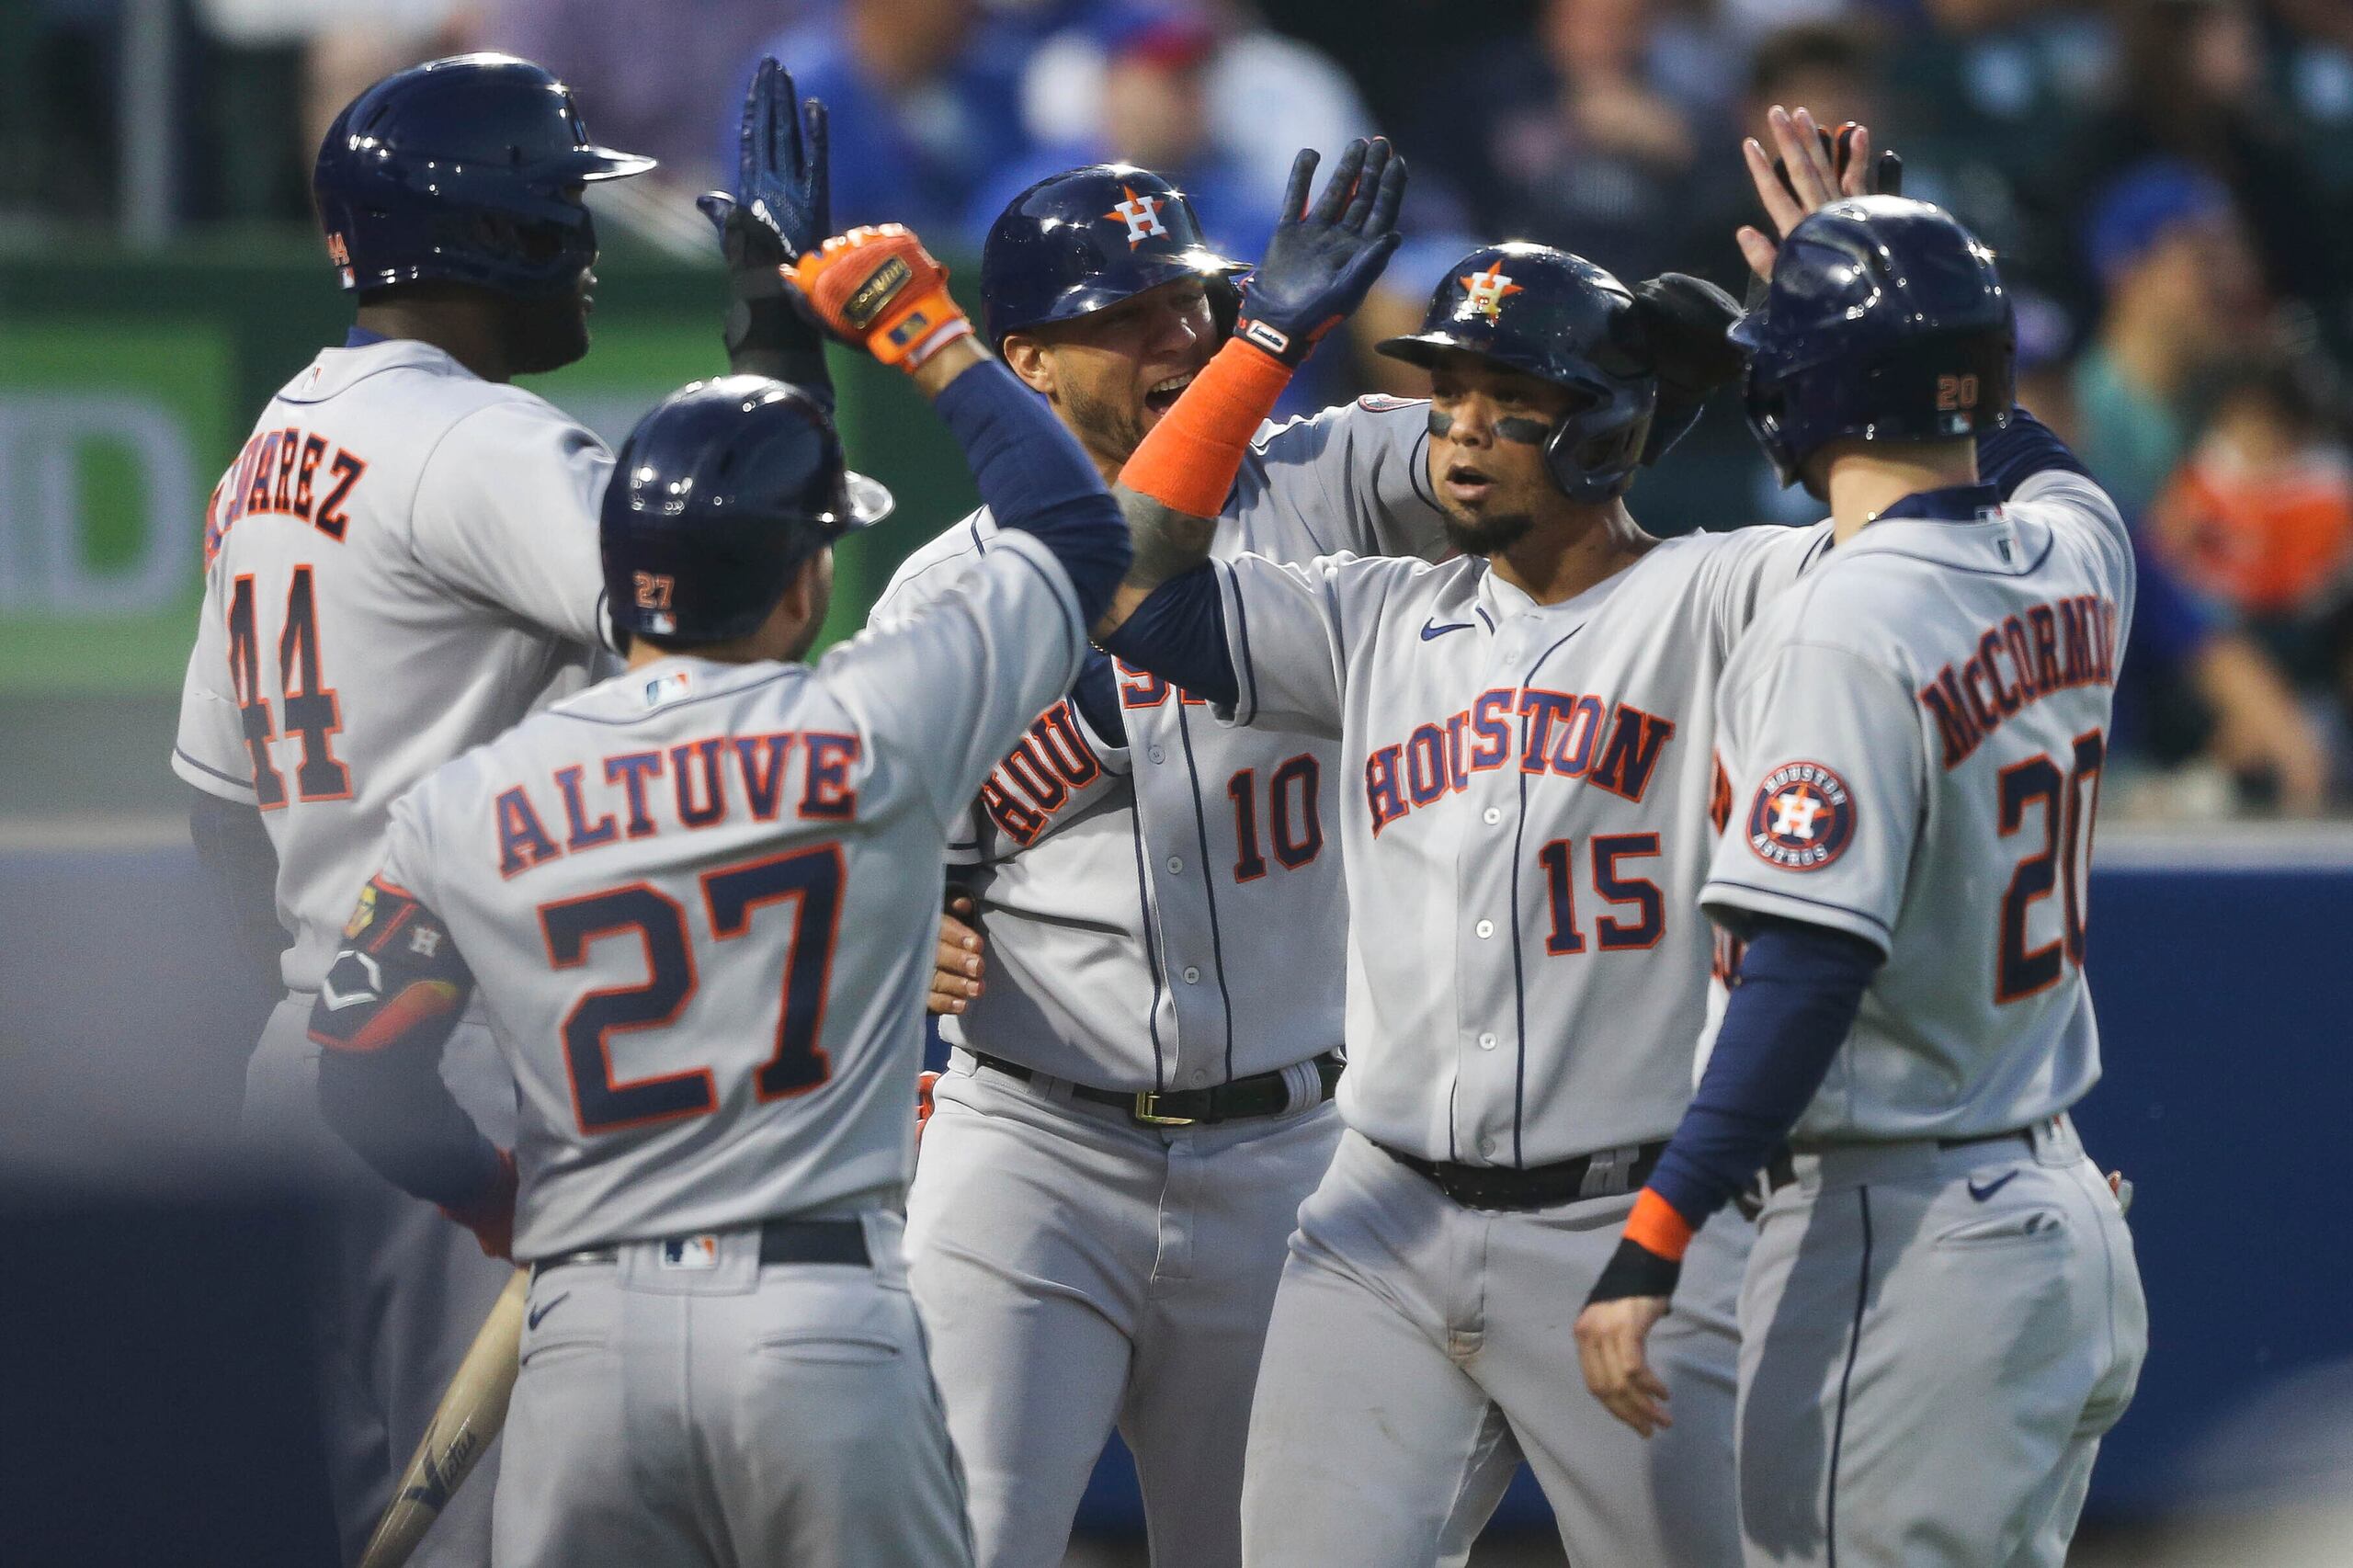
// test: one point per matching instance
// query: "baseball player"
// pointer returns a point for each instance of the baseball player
(698, 901)
(1942, 1314)
(1528, 738)
(399, 563)
(1137, 1099)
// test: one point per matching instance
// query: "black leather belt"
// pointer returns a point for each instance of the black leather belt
(1535, 1186)
(781, 1241)
(1782, 1169)
(1261, 1093)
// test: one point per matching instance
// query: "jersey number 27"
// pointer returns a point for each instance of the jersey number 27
(810, 880)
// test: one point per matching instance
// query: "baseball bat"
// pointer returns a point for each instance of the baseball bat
(472, 1411)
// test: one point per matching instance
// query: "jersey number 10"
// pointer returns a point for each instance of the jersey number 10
(810, 878)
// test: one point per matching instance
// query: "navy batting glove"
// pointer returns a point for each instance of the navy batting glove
(1324, 259)
(1679, 324)
(782, 177)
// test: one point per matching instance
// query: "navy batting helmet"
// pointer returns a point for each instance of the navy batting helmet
(717, 496)
(1563, 320)
(1077, 242)
(1885, 322)
(462, 169)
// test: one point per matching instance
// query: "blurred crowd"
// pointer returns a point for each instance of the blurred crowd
(2169, 184)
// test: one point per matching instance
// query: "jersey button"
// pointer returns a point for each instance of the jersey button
(1159, 755)
(1486, 929)
(1200, 1075)
(1175, 864)
(1487, 1146)
(1492, 815)
(1192, 975)
(1487, 1041)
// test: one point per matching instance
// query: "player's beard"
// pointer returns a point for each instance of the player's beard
(1487, 535)
(547, 332)
(1109, 429)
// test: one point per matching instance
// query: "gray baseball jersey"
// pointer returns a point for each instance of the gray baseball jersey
(399, 563)
(1526, 814)
(699, 902)
(1160, 913)
(1914, 742)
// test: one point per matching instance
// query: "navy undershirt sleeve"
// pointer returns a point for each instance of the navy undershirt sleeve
(1034, 477)
(2007, 458)
(1178, 634)
(393, 1108)
(1096, 695)
(1792, 1007)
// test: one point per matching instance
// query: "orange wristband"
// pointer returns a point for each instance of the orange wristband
(1189, 460)
(1655, 1226)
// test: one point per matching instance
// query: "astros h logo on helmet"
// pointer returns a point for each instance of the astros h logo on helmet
(1803, 818)
(1485, 291)
(1141, 215)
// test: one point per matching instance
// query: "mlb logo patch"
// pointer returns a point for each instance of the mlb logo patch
(1803, 818)
(694, 1252)
(665, 688)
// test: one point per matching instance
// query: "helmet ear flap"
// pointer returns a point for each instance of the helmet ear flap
(1592, 451)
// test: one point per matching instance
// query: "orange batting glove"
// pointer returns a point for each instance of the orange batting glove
(877, 287)
(924, 1081)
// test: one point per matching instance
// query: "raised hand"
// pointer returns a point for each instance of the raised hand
(782, 181)
(1324, 259)
(1809, 168)
(877, 287)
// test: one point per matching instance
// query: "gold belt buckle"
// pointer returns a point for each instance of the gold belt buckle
(1143, 1111)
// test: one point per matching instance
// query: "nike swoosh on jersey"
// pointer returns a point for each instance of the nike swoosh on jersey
(1990, 1187)
(1430, 627)
(546, 1307)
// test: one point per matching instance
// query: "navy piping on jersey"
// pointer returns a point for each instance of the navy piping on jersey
(1209, 883)
(1816, 552)
(1249, 665)
(1419, 475)
(360, 337)
(1150, 947)
(246, 783)
(1798, 898)
(1519, 946)
(1854, 1343)
(1481, 612)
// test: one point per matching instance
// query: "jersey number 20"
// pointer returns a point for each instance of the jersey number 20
(810, 880)
(2067, 800)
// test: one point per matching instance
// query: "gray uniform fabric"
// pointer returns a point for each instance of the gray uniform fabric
(692, 1407)
(399, 566)
(1160, 914)
(1936, 1339)
(698, 901)
(1526, 822)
